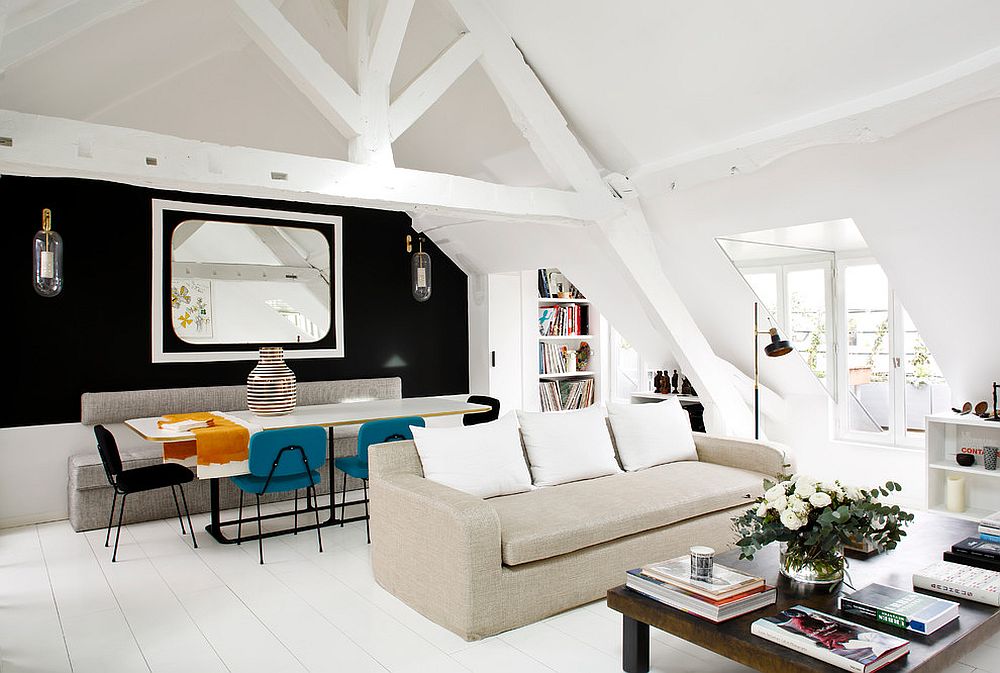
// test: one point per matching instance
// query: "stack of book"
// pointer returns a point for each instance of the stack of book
(904, 609)
(960, 581)
(982, 551)
(551, 283)
(728, 594)
(566, 395)
(551, 359)
(563, 320)
(836, 641)
(989, 528)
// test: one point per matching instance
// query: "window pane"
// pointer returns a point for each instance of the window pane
(926, 391)
(866, 299)
(628, 375)
(807, 316)
(765, 285)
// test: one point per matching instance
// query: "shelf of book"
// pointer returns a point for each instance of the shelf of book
(561, 325)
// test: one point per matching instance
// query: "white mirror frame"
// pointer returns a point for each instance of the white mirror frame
(156, 303)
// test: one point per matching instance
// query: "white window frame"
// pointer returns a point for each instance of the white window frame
(897, 435)
(614, 346)
(784, 320)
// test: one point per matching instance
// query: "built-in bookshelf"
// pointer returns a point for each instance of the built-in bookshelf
(567, 333)
(949, 434)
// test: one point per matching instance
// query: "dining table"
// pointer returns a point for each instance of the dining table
(324, 415)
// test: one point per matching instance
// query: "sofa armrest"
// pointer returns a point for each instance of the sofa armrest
(435, 548)
(769, 458)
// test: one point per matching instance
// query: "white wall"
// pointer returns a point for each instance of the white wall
(928, 204)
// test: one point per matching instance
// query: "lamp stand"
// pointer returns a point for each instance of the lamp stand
(756, 375)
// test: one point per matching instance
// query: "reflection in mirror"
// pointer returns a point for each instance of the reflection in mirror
(794, 285)
(824, 290)
(241, 283)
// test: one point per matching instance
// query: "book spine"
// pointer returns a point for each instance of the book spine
(989, 537)
(779, 637)
(974, 561)
(993, 556)
(955, 589)
(878, 614)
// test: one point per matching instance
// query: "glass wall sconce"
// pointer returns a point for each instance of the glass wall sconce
(47, 256)
(420, 271)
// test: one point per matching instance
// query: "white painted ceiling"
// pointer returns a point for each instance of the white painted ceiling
(639, 81)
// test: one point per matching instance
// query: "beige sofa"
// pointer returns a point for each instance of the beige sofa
(479, 567)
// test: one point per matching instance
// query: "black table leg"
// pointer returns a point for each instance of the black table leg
(635, 645)
(215, 527)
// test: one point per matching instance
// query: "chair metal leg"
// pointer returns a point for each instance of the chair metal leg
(295, 524)
(111, 518)
(239, 522)
(319, 535)
(177, 504)
(368, 530)
(187, 512)
(343, 501)
(121, 515)
(260, 535)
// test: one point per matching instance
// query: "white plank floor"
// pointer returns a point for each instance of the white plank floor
(165, 607)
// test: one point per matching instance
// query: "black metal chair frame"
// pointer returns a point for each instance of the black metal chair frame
(395, 437)
(311, 489)
(117, 490)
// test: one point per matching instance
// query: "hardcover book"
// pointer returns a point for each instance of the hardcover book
(692, 603)
(961, 581)
(836, 641)
(974, 546)
(724, 582)
(903, 609)
(976, 561)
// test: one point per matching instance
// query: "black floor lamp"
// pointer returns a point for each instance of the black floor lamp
(775, 349)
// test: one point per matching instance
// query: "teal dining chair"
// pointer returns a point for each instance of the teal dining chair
(282, 461)
(372, 432)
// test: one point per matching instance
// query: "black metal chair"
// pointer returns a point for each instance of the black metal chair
(125, 482)
(484, 416)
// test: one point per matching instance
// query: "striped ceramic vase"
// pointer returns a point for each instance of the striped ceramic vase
(271, 386)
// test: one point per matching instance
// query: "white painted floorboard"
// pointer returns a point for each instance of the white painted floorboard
(168, 608)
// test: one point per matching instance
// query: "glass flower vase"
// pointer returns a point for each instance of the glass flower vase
(804, 566)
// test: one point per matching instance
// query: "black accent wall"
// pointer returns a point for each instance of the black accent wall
(95, 336)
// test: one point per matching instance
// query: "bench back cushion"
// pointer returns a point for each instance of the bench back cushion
(117, 407)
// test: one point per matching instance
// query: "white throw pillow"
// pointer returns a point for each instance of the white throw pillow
(484, 460)
(567, 446)
(651, 434)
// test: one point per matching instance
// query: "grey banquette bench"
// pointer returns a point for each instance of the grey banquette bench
(88, 490)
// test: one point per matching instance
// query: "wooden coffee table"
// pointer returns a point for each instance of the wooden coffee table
(927, 538)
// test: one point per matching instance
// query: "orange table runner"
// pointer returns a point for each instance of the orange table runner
(221, 449)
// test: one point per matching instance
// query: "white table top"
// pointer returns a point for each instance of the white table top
(344, 413)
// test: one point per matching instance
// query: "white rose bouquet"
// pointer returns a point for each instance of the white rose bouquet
(814, 520)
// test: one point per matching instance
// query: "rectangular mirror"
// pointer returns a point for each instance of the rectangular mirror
(228, 280)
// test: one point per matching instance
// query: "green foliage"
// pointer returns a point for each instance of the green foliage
(818, 532)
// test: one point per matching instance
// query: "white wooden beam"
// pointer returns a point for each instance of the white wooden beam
(431, 84)
(49, 146)
(301, 63)
(52, 29)
(530, 105)
(389, 38)
(862, 120)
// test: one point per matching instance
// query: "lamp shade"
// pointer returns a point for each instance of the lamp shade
(778, 346)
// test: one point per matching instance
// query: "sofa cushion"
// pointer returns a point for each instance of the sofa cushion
(651, 434)
(567, 446)
(553, 521)
(485, 459)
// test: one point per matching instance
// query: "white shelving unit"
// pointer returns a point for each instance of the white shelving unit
(533, 307)
(947, 434)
